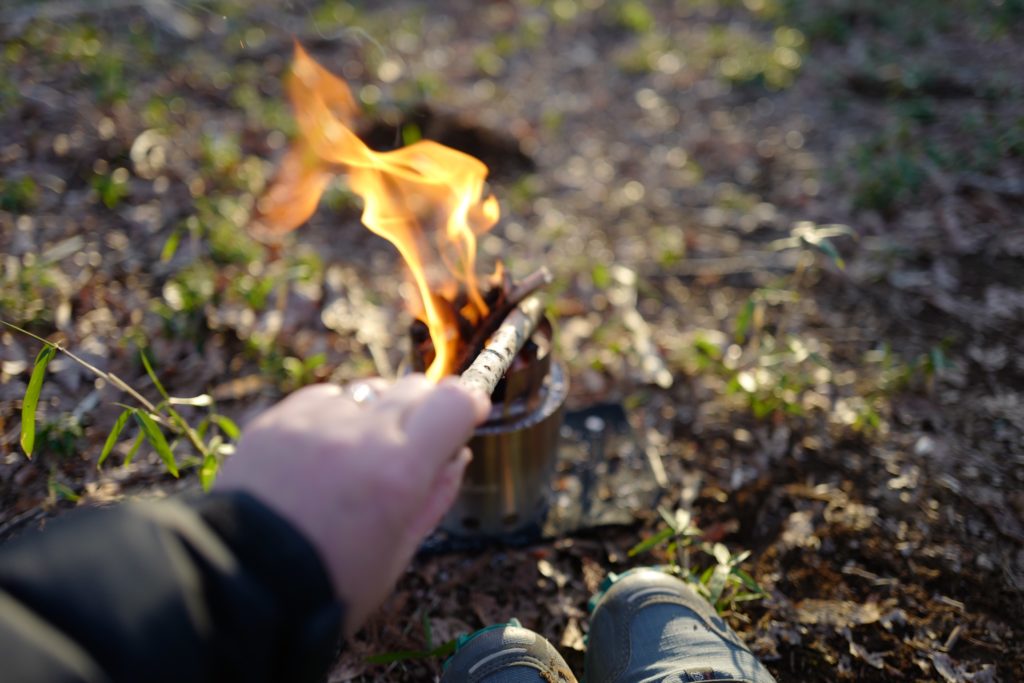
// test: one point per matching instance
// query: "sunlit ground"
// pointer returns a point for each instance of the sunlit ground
(786, 235)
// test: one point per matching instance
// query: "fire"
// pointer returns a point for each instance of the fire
(426, 199)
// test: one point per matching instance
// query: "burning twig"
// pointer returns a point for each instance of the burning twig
(493, 362)
(527, 286)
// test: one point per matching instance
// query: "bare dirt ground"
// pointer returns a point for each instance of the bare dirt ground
(787, 237)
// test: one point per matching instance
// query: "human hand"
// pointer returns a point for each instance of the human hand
(364, 482)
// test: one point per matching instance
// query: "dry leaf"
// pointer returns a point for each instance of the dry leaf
(837, 613)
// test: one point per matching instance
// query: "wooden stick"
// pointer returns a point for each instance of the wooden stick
(494, 361)
(527, 286)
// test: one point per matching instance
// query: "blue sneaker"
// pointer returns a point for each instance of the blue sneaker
(650, 627)
(506, 653)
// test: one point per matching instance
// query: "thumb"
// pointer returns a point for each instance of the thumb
(444, 420)
(442, 494)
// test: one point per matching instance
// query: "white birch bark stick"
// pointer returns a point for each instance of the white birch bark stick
(494, 361)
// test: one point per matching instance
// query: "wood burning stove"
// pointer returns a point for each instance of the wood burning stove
(507, 486)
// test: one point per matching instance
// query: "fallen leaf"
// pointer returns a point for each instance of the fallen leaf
(875, 659)
(838, 613)
(572, 637)
(952, 673)
(798, 530)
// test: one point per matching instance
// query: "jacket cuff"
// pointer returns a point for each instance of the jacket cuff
(279, 557)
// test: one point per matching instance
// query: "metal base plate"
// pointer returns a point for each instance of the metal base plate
(603, 477)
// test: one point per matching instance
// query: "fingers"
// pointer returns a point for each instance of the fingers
(443, 421)
(314, 393)
(392, 407)
(315, 407)
(441, 495)
(328, 399)
(431, 420)
(481, 403)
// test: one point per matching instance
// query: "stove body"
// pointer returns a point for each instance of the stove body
(507, 487)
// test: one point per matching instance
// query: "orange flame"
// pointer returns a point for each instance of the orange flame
(425, 198)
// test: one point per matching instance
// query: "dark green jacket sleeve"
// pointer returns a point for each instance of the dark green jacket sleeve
(219, 589)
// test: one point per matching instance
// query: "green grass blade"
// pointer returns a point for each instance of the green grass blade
(228, 426)
(827, 248)
(443, 650)
(31, 400)
(748, 581)
(152, 376)
(743, 321)
(208, 472)
(171, 246)
(122, 419)
(650, 542)
(156, 439)
(717, 583)
(63, 491)
(135, 447)
(397, 656)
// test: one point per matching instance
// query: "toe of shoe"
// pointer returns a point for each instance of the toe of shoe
(511, 649)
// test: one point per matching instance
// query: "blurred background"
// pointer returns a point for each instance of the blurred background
(786, 237)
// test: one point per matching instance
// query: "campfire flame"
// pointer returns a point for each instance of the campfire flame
(426, 199)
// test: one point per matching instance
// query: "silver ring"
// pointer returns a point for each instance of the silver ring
(362, 393)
